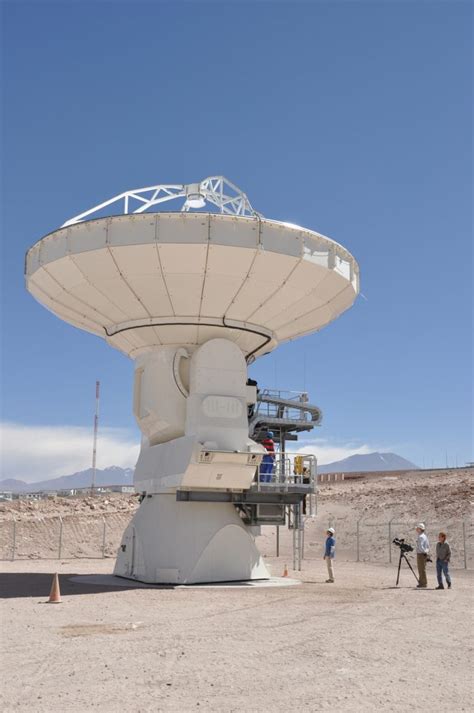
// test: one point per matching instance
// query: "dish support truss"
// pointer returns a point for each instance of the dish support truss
(216, 190)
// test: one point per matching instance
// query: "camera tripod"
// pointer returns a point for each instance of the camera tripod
(403, 556)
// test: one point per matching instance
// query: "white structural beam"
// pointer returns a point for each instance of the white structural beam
(216, 190)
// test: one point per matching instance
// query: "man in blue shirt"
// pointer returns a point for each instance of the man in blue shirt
(329, 552)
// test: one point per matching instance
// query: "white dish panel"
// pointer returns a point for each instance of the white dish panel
(86, 236)
(119, 233)
(243, 232)
(276, 238)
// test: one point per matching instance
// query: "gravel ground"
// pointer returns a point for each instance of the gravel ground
(356, 645)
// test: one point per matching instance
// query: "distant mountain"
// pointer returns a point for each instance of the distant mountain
(368, 462)
(15, 486)
(109, 476)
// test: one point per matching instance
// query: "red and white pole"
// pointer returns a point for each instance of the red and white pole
(96, 427)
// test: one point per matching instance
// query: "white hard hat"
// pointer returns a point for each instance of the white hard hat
(331, 530)
(421, 526)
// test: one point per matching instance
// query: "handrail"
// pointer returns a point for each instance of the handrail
(272, 410)
(286, 470)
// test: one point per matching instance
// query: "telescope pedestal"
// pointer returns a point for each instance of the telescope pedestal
(170, 542)
(192, 410)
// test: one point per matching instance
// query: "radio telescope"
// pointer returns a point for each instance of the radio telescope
(193, 297)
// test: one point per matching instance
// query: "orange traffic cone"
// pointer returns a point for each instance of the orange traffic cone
(285, 571)
(55, 594)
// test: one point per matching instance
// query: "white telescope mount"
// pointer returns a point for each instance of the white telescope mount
(202, 500)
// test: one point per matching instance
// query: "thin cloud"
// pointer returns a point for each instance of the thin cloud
(328, 452)
(34, 453)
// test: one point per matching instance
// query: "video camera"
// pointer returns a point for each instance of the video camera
(404, 546)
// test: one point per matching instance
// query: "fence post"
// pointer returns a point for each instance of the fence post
(390, 540)
(103, 539)
(14, 540)
(278, 540)
(358, 540)
(464, 543)
(293, 509)
(60, 547)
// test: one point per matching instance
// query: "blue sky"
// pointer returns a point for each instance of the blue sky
(351, 118)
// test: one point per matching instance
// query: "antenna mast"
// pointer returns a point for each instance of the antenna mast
(96, 427)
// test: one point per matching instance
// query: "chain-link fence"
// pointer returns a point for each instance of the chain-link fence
(62, 537)
(368, 541)
(99, 537)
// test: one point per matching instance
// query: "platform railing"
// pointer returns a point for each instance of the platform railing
(287, 470)
(296, 396)
(274, 407)
(295, 412)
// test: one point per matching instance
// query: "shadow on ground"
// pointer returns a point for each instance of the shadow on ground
(38, 584)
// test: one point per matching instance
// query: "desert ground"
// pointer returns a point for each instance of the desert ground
(356, 645)
(359, 644)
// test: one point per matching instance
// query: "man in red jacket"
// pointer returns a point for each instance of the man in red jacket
(268, 460)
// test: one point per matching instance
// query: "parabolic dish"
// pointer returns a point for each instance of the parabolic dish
(146, 280)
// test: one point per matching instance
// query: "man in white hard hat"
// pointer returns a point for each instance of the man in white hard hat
(329, 552)
(422, 554)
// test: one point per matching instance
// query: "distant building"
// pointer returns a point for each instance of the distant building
(122, 489)
(30, 496)
(35, 495)
(6, 495)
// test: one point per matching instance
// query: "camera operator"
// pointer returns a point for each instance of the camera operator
(422, 555)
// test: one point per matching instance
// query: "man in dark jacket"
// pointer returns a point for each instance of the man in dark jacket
(443, 555)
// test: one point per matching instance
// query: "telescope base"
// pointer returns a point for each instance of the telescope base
(170, 542)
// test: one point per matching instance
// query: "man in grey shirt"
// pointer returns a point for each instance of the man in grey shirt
(422, 553)
(443, 555)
